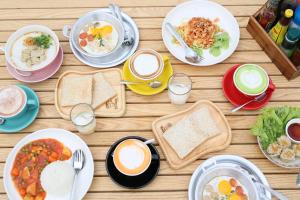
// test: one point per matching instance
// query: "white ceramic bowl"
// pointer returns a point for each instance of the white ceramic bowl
(24, 30)
(292, 121)
(72, 32)
(235, 172)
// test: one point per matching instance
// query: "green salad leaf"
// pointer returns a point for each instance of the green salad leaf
(215, 51)
(221, 42)
(198, 50)
(271, 123)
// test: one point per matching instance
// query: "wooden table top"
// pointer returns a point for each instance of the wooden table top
(141, 111)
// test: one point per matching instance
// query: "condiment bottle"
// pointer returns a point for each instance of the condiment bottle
(278, 32)
(290, 40)
(296, 56)
(288, 4)
(295, 23)
(268, 14)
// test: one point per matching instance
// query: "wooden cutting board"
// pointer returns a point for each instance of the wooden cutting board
(216, 143)
(114, 107)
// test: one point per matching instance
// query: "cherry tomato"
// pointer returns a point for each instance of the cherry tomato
(83, 43)
(90, 37)
(239, 190)
(233, 182)
(83, 35)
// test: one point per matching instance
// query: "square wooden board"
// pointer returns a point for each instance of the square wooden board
(216, 143)
(115, 107)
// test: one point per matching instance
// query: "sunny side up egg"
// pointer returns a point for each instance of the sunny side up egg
(224, 187)
(99, 38)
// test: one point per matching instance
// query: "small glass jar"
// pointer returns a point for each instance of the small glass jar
(180, 86)
(83, 117)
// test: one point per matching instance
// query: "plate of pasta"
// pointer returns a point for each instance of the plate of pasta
(207, 27)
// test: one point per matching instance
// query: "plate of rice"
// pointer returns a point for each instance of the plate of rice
(207, 27)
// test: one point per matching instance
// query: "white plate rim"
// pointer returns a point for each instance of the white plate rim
(48, 133)
(207, 162)
(234, 46)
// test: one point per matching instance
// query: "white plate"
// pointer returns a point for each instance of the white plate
(118, 57)
(227, 160)
(207, 9)
(71, 141)
(277, 161)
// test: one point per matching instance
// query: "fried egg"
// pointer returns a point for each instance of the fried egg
(101, 38)
(224, 187)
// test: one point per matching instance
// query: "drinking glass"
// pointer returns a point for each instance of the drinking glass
(83, 117)
(180, 86)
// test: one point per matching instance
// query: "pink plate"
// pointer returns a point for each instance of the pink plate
(39, 75)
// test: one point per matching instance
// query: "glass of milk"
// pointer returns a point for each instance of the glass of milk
(83, 117)
(180, 86)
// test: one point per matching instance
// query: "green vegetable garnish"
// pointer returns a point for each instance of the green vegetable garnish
(215, 51)
(221, 42)
(271, 123)
(198, 50)
(101, 42)
(43, 41)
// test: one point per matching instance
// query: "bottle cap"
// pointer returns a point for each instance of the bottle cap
(288, 13)
(293, 34)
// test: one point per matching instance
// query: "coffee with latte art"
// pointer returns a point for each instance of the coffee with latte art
(12, 101)
(132, 157)
(251, 79)
(146, 64)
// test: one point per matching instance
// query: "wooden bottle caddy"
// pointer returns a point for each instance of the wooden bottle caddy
(283, 63)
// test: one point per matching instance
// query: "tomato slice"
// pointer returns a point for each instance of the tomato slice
(90, 37)
(83, 43)
(239, 190)
(83, 35)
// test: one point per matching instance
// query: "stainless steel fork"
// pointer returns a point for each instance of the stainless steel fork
(78, 164)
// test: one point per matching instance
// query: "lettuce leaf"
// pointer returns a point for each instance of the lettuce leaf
(198, 50)
(221, 42)
(271, 123)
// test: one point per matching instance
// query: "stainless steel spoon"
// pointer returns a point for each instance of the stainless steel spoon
(152, 84)
(128, 39)
(190, 55)
(78, 164)
(2, 120)
(258, 98)
(274, 193)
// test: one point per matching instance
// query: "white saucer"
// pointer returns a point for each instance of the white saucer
(118, 57)
(232, 161)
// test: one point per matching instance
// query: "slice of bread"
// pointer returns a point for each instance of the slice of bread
(76, 89)
(191, 131)
(102, 90)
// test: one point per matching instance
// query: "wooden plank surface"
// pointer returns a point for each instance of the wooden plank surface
(141, 110)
